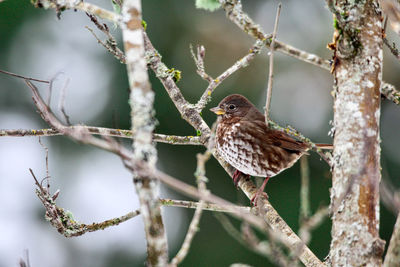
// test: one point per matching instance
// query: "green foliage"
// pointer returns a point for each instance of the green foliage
(210, 5)
(144, 25)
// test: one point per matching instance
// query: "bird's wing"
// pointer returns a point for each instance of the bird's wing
(277, 138)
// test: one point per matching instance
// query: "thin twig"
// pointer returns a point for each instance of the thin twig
(111, 43)
(304, 190)
(187, 110)
(308, 225)
(248, 240)
(271, 66)
(63, 220)
(241, 63)
(162, 138)
(23, 77)
(193, 227)
(47, 178)
(194, 205)
(392, 9)
(61, 104)
(199, 61)
(235, 13)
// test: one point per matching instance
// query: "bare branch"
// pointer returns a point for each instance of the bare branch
(271, 66)
(193, 227)
(392, 9)
(390, 196)
(234, 12)
(304, 190)
(141, 100)
(199, 61)
(162, 138)
(23, 77)
(110, 44)
(187, 110)
(61, 104)
(248, 240)
(392, 257)
(63, 220)
(308, 225)
(206, 206)
(241, 63)
(79, 5)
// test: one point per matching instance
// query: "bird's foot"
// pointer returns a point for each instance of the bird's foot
(255, 198)
(260, 192)
(236, 177)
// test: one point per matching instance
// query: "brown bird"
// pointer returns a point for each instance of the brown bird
(249, 145)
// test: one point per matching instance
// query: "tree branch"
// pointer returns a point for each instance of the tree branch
(79, 5)
(234, 12)
(162, 138)
(194, 224)
(141, 101)
(271, 66)
(356, 173)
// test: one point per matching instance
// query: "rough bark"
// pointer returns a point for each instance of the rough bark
(357, 72)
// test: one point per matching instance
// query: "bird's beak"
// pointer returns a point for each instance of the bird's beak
(218, 110)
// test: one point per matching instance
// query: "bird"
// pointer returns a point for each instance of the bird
(244, 140)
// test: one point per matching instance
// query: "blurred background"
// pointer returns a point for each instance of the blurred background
(94, 184)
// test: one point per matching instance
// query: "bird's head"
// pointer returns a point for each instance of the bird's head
(233, 106)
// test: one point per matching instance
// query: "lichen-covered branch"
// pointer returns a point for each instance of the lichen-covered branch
(187, 110)
(64, 221)
(60, 5)
(141, 101)
(193, 205)
(111, 43)
(162, 138)
(356, 173)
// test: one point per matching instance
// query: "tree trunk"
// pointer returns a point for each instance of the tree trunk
(357, 70)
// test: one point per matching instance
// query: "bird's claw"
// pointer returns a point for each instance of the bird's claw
(255, 198)
(236, 178)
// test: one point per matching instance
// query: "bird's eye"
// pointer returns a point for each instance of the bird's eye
(231, 106)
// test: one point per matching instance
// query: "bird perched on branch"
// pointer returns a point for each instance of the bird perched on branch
(245, 141)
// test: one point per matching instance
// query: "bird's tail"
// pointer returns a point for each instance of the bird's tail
(324, 146)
